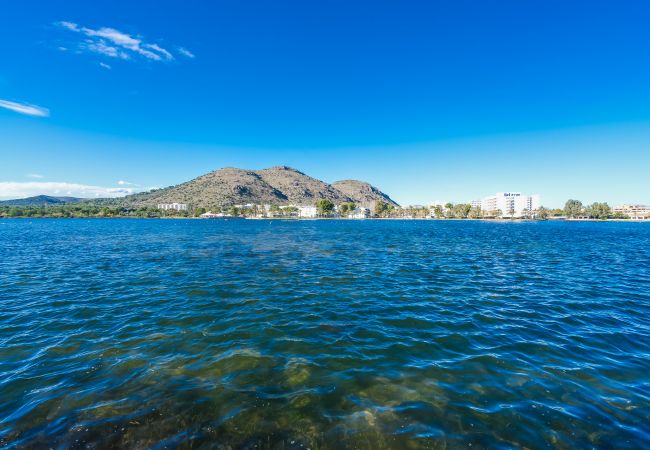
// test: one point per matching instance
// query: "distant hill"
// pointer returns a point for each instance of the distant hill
(362, 193)
(280, 185)
(40, 200)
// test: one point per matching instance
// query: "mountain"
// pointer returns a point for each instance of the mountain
(299, 188)
(280, 185)
(229, 186)
(362, 193)
(40, 200)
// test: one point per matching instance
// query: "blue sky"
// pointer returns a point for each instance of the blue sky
(427, 100)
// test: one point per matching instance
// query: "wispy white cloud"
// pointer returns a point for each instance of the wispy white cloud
(12, 190)
(126, 183)
(159, 51)
(117, 44)
(35, 175)
(103, 48)
(69, 25)
(105, 66)
(185, 52)
(25, 108)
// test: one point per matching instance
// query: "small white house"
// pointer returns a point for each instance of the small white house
(307, 212)
(359, 213)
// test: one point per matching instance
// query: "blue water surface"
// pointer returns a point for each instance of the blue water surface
(247, 334)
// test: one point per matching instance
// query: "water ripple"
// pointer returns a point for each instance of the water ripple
(324, 334)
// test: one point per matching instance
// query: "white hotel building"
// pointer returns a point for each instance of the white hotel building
(173, 206)
(509, 204)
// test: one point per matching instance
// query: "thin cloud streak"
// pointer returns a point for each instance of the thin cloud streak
(14, 190)
(104, 49)
(185, 52)
(25, 108)
(117, 44)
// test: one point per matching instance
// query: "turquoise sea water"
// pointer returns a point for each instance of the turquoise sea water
(324, 334)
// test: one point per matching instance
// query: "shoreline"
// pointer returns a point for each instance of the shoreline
(337, 219)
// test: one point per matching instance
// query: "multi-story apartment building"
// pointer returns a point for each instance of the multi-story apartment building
(509, 204)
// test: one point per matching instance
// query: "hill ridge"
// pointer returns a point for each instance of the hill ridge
(281, 185)
(39, 200)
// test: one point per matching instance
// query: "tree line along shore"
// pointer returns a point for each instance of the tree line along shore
(573, 209)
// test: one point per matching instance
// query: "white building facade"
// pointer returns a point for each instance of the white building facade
(634, 212)
(359, 213)
(211, 215)
(308, 212)
(509, 204)
(173, 206)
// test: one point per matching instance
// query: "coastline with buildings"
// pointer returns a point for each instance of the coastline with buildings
(282, 192)
(503, 206)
